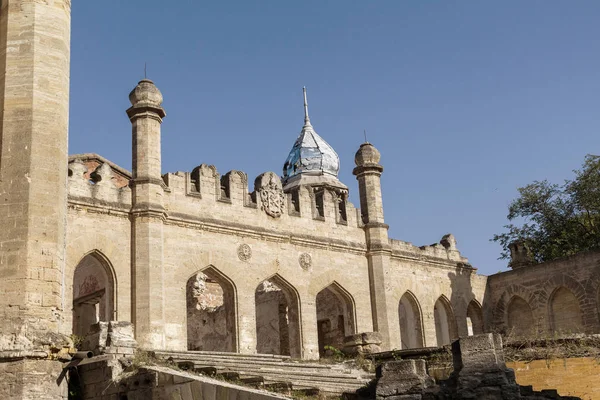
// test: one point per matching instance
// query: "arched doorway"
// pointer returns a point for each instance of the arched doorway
(277, 318)
(211, 312)
(445, 323)
(519, 317)
(411, 328)
(565, 313)
(474, 318)
(93, 293)
(335, 316)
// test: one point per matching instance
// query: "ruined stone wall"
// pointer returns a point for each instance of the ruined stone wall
(556, 297)
(426, 280)
(270, 305)
(210, 224)
(207, 316)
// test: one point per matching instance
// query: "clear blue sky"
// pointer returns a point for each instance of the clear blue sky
(465, 100)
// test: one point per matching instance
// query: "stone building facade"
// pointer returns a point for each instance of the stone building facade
(206, 261)
(199, 260)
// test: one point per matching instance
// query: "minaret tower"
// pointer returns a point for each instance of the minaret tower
(368, 173)
(148, 215)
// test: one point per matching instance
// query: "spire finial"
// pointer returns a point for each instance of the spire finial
(306, 117)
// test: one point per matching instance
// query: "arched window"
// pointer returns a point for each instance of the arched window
(445, 324)
(277, 318)
(211, 312)
(93, 292)
(335, 316)
(411, 328)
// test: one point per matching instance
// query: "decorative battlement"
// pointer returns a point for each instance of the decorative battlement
(96, 180)
(93, 177)
(205, 185)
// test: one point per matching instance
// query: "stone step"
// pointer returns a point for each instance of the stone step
(279, 387)
(276, 372)
(300, 368)
(163, 353)
(268, 370)
(257, 362)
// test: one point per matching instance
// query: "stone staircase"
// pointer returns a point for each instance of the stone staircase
(274, 372)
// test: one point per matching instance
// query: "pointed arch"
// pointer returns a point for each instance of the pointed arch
(474, 318)
(94, 288)
(519, 317)
(411, 321)
(335, 316)
(278, 325)
(211, 317)
(564, 312)
(445, 322)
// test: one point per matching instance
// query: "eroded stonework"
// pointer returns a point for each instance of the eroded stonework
(271, 194)
(87, 242)
(244, 252)
(305, 261)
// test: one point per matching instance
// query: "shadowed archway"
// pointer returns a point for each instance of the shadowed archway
(474, 318)
(445, 322)
(277, 318)
(335, 316)
(94, 287)
(411, 326)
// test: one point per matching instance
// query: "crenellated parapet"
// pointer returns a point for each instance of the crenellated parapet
(229, 195)
(97, 181)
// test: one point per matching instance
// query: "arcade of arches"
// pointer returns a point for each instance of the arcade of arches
(212, 313)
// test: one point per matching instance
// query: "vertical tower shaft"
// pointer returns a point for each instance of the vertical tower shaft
(34, 114)
(368, 173)
(146, 116)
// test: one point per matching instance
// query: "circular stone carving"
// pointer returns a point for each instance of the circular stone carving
(305, 261)
(244, 252)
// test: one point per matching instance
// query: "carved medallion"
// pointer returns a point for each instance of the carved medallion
(268, 186)
(244, 252)
(305, 261)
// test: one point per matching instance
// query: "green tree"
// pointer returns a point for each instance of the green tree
(556, 220)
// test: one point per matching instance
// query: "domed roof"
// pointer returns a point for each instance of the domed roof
(311, 154)
(367, 154)
(146, 93)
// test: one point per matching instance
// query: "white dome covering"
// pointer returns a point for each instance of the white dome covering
(311, 154)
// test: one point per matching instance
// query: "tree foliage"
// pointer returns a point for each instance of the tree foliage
(556, 220)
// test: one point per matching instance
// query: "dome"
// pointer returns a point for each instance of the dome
(311, 154)
(367, 154)
(147, 93)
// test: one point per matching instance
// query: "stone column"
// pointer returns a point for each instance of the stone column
(147, 214)
(34, 114)
(368, 173)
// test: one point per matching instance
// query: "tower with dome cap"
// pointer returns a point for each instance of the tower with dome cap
(368, 173)
(147, 214)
